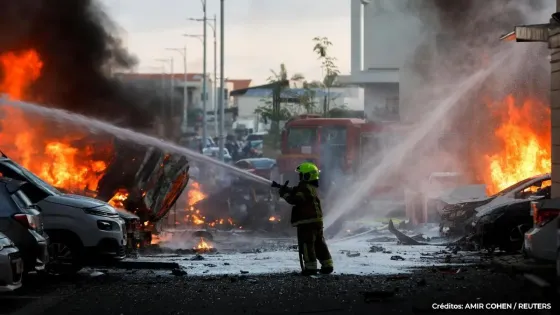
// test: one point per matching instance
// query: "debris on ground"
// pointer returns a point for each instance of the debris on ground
(376, 249)
(197, 257)
(244, 272)
(352, 254)
(381, 239)
(397, 257)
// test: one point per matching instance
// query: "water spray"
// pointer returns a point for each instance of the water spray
(356, 193)
(124, 134)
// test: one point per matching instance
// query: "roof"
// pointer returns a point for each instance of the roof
(195, 77)
(240, 84)
(288, 93)
(191, 77)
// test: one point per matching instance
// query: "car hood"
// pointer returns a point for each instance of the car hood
(77, 201)
(464, 194)
(127, 215)
(497, 203)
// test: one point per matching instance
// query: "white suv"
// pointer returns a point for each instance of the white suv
(82, 230)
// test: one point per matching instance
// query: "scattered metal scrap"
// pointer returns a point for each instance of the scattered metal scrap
(407, 240)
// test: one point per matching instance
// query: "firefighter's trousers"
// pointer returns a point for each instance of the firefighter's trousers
(313, 247)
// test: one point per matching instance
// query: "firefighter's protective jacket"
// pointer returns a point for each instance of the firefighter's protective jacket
(305, 201)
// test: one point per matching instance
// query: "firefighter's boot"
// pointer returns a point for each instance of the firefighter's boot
(326, 270)
(309, 272)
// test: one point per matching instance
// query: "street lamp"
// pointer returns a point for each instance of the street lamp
(204, 80)
(204, 135)
(222, 76)
(171, 83)
(164, 62)
(183, 52)
(213, 26)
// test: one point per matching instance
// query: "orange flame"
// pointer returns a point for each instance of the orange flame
(55, 160)
(119, 198)
(203, 245)
(195, 194)
(161, 238)
(525, 135)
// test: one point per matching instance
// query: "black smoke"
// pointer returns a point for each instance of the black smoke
(467, 34)
(79, 46)
(464, 38)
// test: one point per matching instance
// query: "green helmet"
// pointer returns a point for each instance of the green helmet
(308, 171)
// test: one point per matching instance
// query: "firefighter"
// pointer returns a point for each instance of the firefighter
(307, 217)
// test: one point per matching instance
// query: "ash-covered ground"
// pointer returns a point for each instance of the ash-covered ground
(371, 252)
(253, 274)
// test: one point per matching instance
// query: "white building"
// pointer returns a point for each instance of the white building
(250, 100)
(383, 37)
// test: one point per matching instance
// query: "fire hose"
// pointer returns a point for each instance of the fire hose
(300, 250)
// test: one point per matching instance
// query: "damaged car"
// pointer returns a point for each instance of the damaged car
(539, 241)
(502, 223)
(146, 182)
(456, 216)
(11, 265)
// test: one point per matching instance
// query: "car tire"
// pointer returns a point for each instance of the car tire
(65, 251)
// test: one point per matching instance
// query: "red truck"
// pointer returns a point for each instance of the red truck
(339, 146)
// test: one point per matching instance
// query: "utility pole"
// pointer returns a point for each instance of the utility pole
(222, 76)
(171, 87)
(163, 111)
(183, 52)
(204, 76)
(215, 90)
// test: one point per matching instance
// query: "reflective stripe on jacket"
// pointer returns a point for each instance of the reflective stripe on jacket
(306, 204)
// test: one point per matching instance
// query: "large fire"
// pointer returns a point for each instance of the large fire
(31, 141)
(194, 216)
(526, 148)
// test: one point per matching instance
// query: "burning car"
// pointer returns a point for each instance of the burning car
(455, 217)
(502, 223)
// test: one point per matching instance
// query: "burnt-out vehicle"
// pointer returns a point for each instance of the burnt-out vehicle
(153, 181)
(455, 217)
(250, 206)
(503, 225)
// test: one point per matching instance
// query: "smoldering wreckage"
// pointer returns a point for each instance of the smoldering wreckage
(160, 202)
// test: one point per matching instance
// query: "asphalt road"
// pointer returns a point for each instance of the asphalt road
(149, 292)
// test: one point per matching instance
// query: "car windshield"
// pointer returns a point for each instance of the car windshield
(300, 137)
(254, 137)
(32, 178)
(257, 144)
(512, 187)
(263, 163)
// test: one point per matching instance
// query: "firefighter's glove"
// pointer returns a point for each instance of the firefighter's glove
(275, 185)
(284, 189)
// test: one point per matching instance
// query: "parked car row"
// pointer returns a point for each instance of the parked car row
(43, 229)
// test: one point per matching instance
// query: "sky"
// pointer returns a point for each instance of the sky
(259, 34)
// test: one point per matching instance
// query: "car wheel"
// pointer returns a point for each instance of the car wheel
(64, 256)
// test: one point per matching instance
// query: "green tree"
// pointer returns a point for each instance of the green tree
(330, 69)
(280, 105)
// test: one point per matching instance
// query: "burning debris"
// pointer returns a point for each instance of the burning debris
(204, 247)
(119, 198)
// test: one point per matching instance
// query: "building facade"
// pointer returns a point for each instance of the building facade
(382, 38)
(168, 91)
